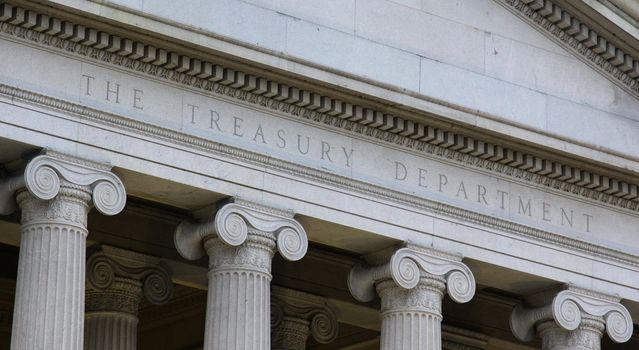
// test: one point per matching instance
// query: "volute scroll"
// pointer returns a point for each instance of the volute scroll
(407, 266)
(232, 223)
(43, 176)
(568, 308)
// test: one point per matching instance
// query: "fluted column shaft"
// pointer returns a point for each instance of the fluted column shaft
(238, 307)
(117, 280)
(110, 330)
(297, 315)
(411, 287)
(240, 241)
(54, 193)
(411, 318)
(49, 304)
(111, 317)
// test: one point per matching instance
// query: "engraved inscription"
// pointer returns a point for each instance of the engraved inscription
(282, 137)
(247, 128)
(471, 190)
(111, 91)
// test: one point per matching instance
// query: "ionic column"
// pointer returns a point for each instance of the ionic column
(49, 304)
(296, 315)
(240, 242)
(411, 287)
(575, 319)
(116, 282)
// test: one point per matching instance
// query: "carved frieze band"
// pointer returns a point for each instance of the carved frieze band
(231, 224)
(313, 309)
(337, 181)
(42, 178)
(566, 310)
(102, 271)
(617, 65)
(209, 76)
(407, 266)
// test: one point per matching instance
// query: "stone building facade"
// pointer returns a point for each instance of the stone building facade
(335, 174)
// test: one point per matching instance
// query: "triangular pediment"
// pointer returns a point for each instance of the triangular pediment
(596, 42)
(535, 74)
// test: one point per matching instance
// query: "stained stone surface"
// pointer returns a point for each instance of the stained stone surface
(503, 131)
(331, 160)
(259, 130)
(508, 68)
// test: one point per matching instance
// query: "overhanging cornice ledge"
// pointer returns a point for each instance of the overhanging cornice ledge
(588, 45)
(201, 74)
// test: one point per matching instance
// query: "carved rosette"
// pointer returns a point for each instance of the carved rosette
(575, 316)
(295, 315)
(411, 287)
(240, 242)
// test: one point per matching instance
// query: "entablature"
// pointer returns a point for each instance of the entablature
(202, 75)
(349, 124)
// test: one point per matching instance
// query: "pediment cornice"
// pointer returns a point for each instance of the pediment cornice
(210, 76)
(198, 73)
(593, 45)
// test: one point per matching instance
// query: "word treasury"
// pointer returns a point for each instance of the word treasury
(344, 154)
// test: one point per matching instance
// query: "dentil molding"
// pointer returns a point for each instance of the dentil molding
(76, 39)
(337, 181)
(587, 44)
(175, 137)
(202, 74)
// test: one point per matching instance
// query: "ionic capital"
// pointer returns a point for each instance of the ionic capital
(231, 225)
(407, 266)
(111, 266)
(44, 174)
(569, 309)
(308, 308)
